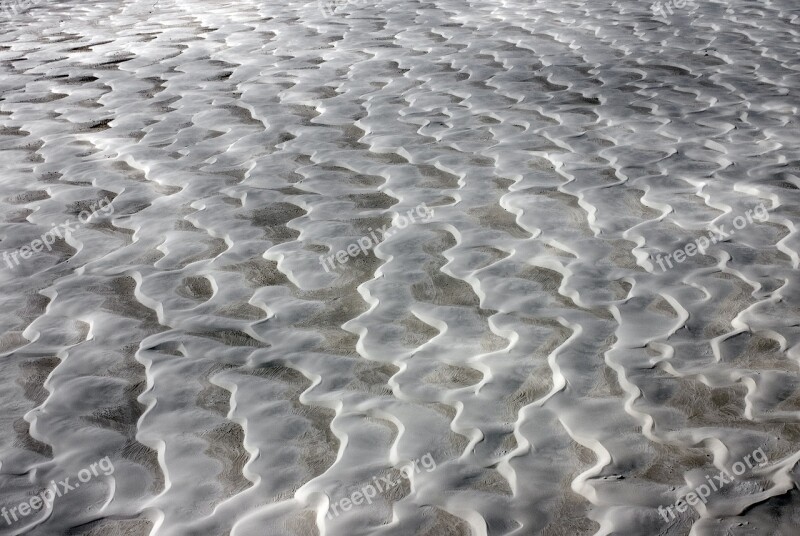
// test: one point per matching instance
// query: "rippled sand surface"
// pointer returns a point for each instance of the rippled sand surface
(524, 335)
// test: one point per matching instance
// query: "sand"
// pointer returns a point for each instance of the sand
(523, 335)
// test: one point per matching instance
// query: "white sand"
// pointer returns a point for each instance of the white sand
(524, 336)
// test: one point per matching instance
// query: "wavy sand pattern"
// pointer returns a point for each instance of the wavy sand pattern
(523, 335)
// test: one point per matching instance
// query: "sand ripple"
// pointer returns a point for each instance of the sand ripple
(524, 336)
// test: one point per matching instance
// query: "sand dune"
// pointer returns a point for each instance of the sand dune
(524, 335)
